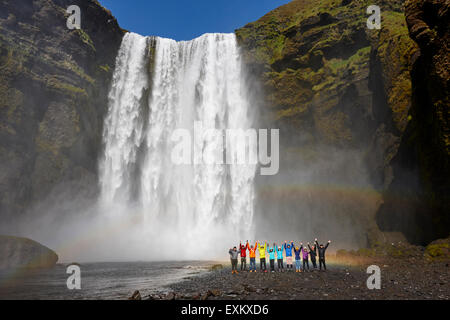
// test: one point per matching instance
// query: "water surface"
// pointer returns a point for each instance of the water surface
(101, 280)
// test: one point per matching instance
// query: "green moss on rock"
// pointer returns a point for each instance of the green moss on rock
(105, 68)
(312, 55)
(394, 50)
(438, 250)
(85, 38)
(54, 83)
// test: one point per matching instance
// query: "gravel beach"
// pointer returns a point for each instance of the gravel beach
(401, 278)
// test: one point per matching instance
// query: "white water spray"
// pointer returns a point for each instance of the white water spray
(160, 85)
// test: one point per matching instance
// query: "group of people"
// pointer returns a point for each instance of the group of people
(301, 253)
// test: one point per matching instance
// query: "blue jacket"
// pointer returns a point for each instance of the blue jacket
(297, 253)
(288, 250)
(280, 253)
(272, 253)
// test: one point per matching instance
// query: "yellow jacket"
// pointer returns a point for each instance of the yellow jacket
(262, 251)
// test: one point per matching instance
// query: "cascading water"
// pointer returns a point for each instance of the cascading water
(159, 86)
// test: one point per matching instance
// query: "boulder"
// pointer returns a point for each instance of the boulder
(17, 252)
(135, 296)
(216, 267)
(438, 250)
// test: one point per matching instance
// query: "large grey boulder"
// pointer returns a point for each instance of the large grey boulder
(16, 252)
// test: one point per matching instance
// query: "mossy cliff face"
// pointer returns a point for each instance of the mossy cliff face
(422, 164)
(53, 97)
(329, 82)
(323, 69)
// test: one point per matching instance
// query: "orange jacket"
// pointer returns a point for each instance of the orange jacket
(252, 251)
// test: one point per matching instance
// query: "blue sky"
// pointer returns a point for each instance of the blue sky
(187, 19)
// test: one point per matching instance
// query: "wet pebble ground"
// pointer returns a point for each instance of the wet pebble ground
(400, 279)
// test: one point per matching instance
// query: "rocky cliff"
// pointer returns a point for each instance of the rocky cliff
(342, 93)
(53, 96)
(324, 70)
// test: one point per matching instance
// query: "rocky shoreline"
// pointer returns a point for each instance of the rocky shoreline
(407, 273)
(400, 279)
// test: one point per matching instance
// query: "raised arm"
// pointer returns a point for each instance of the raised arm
(326, 246)
(317, 244)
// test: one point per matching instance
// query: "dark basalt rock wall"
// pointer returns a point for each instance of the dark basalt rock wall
(418, 200)
(53, 96)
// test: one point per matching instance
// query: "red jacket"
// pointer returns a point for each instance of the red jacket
(243, 250)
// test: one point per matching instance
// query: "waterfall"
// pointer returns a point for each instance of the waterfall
(160, 85)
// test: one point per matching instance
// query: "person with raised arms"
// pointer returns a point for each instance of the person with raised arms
(305, 257)
(288, 249)
(262, 256)
(272, 252)
(234, 253)
(280, 258)
(298, 261)
(243, 250)
(252, 255)
(321, 248)
(313, 254)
